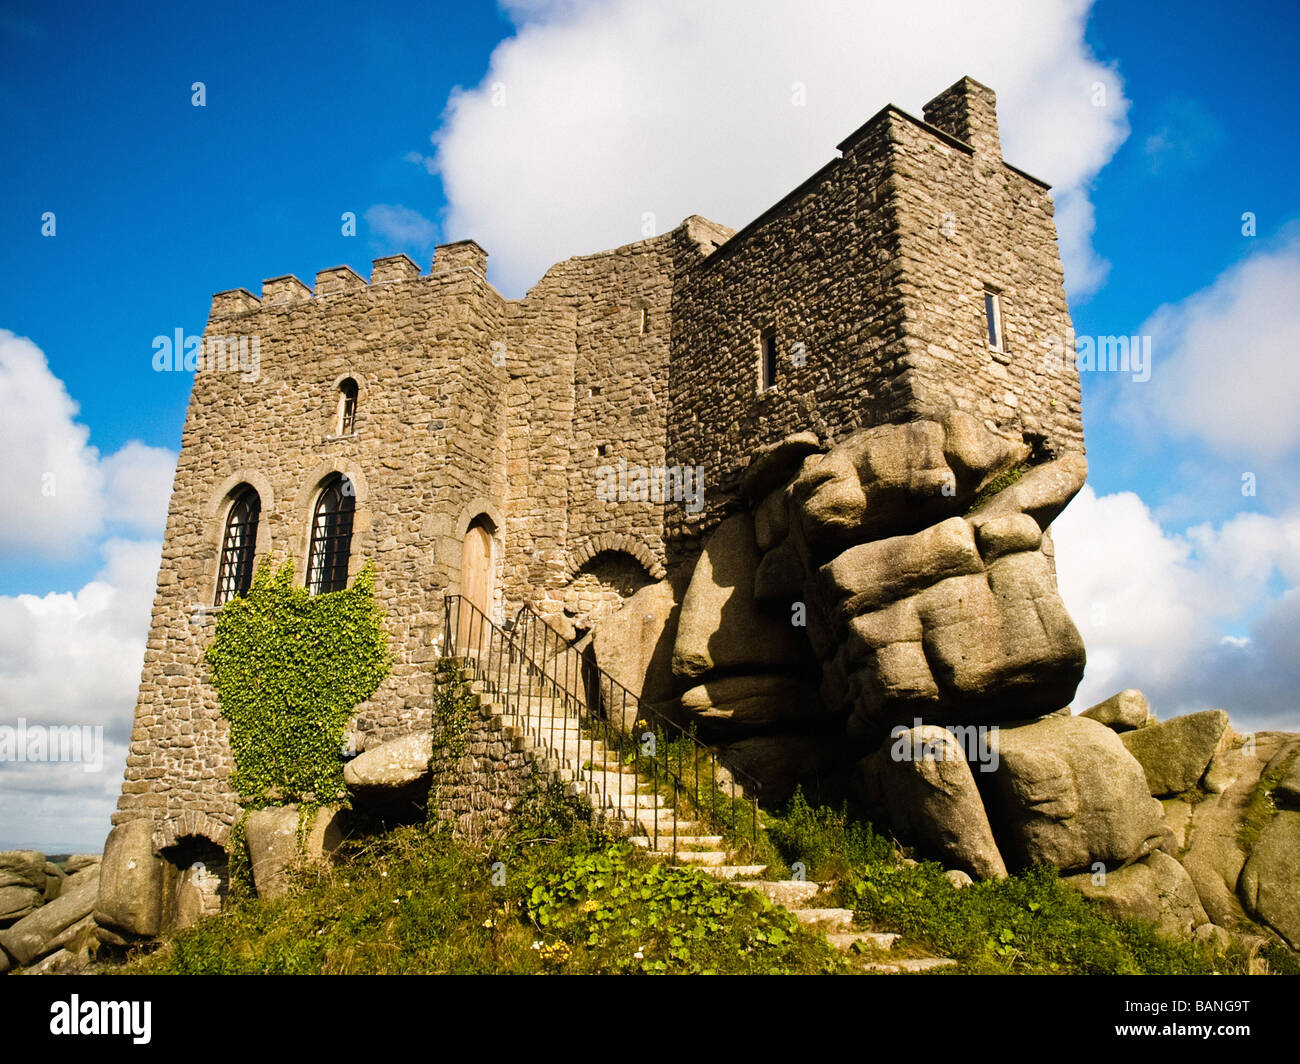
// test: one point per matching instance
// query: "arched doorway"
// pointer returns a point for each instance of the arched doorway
(476, 565)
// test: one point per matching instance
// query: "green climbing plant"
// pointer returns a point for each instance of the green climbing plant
(290, 668)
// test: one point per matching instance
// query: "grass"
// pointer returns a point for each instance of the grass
(1030, 923)
(557, 895)
(553, 896)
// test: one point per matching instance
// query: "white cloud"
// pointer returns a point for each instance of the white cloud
(1162, 612)
(397, 227)
(597, 112)
(74, 659)
(1226, 360)
(61, 491)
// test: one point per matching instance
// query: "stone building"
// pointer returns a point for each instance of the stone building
(514, 450)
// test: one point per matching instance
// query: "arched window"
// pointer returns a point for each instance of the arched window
(347, 407)
(235, 572)
(331, 536)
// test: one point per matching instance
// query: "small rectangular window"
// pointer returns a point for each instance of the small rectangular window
(993, 319)
(645, 321)
(767, 360)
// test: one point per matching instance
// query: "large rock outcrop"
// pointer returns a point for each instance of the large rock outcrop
(1067, 793)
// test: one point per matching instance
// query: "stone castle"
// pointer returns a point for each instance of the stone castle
(790, 483)
(786, 491)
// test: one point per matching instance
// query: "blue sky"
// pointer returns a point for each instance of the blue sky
(383, 110)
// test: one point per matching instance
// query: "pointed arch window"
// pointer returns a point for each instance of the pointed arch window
(347, 407)
(238, 545)
(331, 536)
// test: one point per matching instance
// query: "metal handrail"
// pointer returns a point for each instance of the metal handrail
(534, 653)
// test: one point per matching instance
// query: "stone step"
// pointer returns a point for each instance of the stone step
(846, 940)
(910, 965)
(691, 842)
(791, 893)
(735, 871)
(826, 919)
(712, 858)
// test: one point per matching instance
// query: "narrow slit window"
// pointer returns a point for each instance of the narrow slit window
(235, 570)
(644, 321)
(347, 407)
(993, 319)
(331, 537)
(767, 360)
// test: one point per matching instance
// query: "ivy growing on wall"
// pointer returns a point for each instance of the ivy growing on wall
(290, 668)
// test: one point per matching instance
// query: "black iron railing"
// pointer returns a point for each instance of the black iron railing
(616, 743)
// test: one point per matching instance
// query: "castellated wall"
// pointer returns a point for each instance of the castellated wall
(430, 437)
(872, 277)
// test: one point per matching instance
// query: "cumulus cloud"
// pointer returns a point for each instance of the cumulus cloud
(1207, 618)
(74, 659)
(1225, 360)
(396, 228)
(62, 492)
(599, 119)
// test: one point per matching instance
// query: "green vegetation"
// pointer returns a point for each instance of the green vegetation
(1030, 923)
(999, 483)
(1260, 806)
(555, 896)
(289, 669)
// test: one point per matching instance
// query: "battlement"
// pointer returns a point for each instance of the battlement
(287, 290)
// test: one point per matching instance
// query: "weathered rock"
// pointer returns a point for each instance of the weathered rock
(1156, 889)
(54, 878)
(635, 645)
(1175, 753)
(57, 963)
(923, 781)
(738, 705)
(1006, 534)
(773, 465)
(17, 902)
(1121, 712)
(1287, 791)
(393, 765)
(1269, 885)
(872, 575)
(1067, 793)
(721, 625)
(131, 882)
(78, 861)
(74, 937)
(1007, 636)
(23, 868)
(1178, 816)
(1042, 492)
(777, 762)
(1213, 935)
(29, 937)
(958, 878)
(273, 845)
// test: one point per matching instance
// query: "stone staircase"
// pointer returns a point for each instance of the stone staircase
(550, 727)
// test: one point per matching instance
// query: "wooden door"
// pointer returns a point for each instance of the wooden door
(475, 587)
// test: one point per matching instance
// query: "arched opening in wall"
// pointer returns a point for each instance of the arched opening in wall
(600, 586)
(238, 544)
(197, 881)
(477, 585)
(331, 536)
(347, 412)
